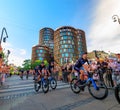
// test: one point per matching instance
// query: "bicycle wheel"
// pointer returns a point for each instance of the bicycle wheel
(53, 83)
(74, 86)
(37, 86)
(117, 93)
(45, 85)
(101, 92)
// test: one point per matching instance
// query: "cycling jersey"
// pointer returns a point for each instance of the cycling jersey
(36, 71)
(42, 67)
(79, 64)
(50, 68)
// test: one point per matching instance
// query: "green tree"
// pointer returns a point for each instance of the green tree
(27, 64)
(36, 63)
(46, 63)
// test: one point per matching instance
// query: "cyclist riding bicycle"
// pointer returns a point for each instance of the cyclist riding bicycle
(82, 66)
(43, 70)
(36, 73)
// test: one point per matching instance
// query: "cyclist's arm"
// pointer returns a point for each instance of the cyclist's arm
(86, 66)
(39, 72)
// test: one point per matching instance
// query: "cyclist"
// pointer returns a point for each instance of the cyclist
(82, 65)
(43, 70)
(21, 73)
(50, 69)
(36, 73)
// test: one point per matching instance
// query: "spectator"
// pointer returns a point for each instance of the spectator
(64, 73)
(113, 65)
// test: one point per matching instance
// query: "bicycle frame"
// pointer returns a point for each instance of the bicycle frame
(90, 80)
(93, 83)
(50, 78)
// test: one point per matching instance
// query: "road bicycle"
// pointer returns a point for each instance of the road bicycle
(44, 82)
(96, 88)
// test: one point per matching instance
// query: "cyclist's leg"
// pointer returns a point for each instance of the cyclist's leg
(82, 74)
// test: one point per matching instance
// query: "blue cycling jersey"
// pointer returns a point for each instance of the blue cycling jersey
(80, 63)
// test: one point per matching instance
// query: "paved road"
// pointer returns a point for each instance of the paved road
(14, 88)
(60, 99)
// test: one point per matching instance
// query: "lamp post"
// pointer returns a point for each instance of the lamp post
(4, 40)
(116, 18)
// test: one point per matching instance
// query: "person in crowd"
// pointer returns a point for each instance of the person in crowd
(21, 73)
(113, 65)
(3, 71)
(94, 68)
(70, 71)
(56, 70)
(27, 74)
(64, 73)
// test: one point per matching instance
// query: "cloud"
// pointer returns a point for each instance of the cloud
(17, 56)
(104, 34)
(16, 60)
(22, 51)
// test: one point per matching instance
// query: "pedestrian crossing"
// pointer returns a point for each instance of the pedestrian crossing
(17, 88)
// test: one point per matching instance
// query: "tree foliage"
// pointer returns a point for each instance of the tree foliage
(27, 64)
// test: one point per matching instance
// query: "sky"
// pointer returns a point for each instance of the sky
(24, 18)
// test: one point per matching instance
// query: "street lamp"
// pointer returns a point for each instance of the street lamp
(4, 39)
(116, 18)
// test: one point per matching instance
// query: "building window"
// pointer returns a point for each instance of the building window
(66, 46)
(41, 51)
(37, 51)
(62, 46)
(62, 33)
(69, 41)
(60, 50)
(69, 33)
(64, 42)
(66, 55)
(40, 58)
(70, 37)
(65, 37)
(63, 55)
(61, 42)
(64, 50)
